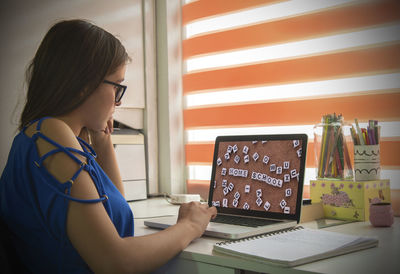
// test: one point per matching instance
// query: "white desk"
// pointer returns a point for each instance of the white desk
(198, 256)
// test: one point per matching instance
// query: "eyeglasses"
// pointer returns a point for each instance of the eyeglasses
(120, 90)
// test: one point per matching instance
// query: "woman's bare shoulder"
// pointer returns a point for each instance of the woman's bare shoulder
(60, 164)
(57, 130)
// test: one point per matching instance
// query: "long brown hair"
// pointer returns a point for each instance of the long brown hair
(71, 62)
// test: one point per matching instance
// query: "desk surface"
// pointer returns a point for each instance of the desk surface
(381, 259)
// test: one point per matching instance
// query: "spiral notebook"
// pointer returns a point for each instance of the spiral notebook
(295, 246)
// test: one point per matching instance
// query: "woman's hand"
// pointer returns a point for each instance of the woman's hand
(109, 127)
(98, 139)
(197, 215)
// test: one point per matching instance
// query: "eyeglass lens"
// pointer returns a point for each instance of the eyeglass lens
(118, 94)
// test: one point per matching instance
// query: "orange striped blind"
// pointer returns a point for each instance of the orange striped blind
(264, 67)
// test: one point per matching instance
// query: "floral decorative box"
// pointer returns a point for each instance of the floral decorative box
(349, 200)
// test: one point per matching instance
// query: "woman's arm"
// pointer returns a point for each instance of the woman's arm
(92, 233)
(94, 236)
(91, 230)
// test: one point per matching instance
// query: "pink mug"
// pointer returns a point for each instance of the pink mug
(381, 214)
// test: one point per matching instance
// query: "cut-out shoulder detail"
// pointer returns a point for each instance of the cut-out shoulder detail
(59, 150)
(54, 133)
(64, 163)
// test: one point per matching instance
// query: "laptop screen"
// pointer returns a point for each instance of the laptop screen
(259, 175)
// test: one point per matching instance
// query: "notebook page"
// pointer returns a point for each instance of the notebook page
(293, 245)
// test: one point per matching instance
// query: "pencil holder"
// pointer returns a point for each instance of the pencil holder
(367, 166)
(333, 148)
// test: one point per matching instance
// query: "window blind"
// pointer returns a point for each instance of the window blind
(265, 67)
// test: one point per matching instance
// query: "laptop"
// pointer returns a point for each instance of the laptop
(256, 185)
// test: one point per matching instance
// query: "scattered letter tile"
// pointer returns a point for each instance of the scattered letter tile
(299, 153)
(255, 156)
(227, 156)
(235, 148)
(223, 171)
(286, 178)
(286, 165)
(226, 191)
(235, 203)
(267, 205)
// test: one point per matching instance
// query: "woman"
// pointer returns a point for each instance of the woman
(63, 198)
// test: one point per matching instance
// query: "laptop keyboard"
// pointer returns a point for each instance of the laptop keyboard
(237, 220)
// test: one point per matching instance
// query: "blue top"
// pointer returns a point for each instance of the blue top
(34, 205)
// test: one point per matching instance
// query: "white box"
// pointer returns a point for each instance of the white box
(135, 190)
(131, 161)
(130, 153)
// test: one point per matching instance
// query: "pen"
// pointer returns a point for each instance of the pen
(378, 134)
(371, 136)
(354, 135)
(365, 136)
(360, 135)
